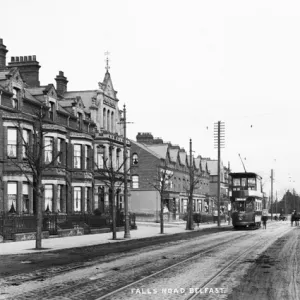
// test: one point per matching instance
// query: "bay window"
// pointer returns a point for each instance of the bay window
(12, 142)
(48, 197)
(77, 198)
(12, 196)
(25, 138)
(25, 204)
(48, 149)
(77, 156)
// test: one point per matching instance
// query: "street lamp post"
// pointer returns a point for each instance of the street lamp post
(126, 228)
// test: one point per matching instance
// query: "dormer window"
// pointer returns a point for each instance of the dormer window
(15, 98)
(79, 121)
(51, 111)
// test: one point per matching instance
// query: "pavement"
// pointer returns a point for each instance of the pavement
(144, 230)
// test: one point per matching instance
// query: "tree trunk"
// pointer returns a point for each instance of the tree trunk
(39, 218)
(114, 227)
(161, 215)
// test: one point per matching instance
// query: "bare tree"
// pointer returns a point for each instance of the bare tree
(194, 183)
(34, 164)
(112, 175)
(161, 182)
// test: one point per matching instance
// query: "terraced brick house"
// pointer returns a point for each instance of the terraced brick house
(82, 128)
(212, 166)
(149, 154)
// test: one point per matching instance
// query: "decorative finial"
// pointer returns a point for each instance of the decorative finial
(107, 60)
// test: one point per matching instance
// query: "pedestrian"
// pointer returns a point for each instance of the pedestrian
(264, 220)
(292, 217)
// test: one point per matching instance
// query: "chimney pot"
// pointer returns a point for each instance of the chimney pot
(21, 58)
(17, 58)
(25, 58)
(34, 57)
(30, 58)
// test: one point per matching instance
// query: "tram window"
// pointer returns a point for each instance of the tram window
(239, 206)
(244, 181)
(251, 183)
(236, 182)
(249, 205)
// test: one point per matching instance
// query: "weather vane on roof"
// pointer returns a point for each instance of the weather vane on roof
(107, 60)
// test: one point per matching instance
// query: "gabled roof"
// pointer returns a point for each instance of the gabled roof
(7, 74)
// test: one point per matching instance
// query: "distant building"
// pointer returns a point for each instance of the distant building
(148, 156)
(212, 166)
(83, 128)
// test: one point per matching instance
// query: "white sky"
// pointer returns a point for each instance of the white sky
(180, 66)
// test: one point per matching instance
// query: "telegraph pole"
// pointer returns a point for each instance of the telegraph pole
(126, 228)
(228, 195)
(272, 194)
(190, 224)
(219, 140)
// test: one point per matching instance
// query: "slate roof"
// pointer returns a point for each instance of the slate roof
(86, 96)
(37, 91)
(29, 96)
(145, 147)
(160, 149)
(66, 103)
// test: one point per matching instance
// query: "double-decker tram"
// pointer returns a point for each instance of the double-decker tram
(245, 191)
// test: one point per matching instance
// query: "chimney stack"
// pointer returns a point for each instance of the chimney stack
(28, 67)
(3, 52)
(144, 137)
(61, 83)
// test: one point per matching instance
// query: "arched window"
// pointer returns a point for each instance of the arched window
(112, 122)
(135, 159)
(104, 118)
(108, 120)
(135, 181)
(118, 158)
